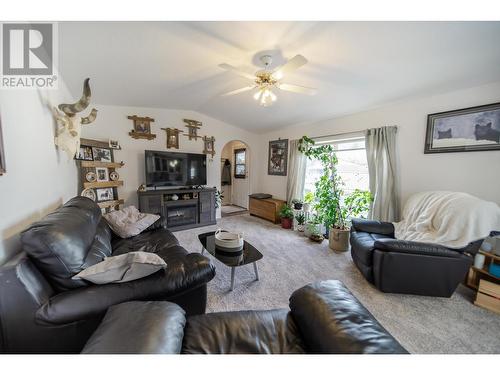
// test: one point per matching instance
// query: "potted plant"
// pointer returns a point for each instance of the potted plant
(332, 207)
(313, 225)
(297, 204)
(301, 219)
(316, 236)
(356, 204)
(286, 215)
(308, 200)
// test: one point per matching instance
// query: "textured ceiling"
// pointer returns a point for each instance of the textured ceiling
(354, 65)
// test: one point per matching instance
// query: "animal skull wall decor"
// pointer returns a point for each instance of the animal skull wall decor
(69, 125)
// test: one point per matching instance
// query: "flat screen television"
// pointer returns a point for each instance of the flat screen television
(175, 169)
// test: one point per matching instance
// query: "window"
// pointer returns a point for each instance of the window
(240, 166)
(352, 166)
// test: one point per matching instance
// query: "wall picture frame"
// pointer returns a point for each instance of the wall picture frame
(104, 194)
(209, 145)
(142, 127)
(172, 137)
(102, 154)
(468, 129)
(102, 174)
(85, 153)
(277, 163)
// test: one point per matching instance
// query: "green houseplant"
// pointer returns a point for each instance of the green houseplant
(286, 215)
(334, 208)
(308, 200)
(301, 219)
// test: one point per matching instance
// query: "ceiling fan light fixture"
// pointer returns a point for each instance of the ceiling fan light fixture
(257, 95)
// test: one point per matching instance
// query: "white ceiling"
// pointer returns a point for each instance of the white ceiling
(354, 65)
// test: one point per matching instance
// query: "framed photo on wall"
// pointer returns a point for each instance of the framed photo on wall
(468, 129)
(278, 157)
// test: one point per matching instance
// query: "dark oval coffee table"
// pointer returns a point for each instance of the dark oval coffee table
(247, 255)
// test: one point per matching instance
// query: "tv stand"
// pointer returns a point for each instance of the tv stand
(193, 207)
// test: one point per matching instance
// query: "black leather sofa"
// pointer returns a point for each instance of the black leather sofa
(43, 310)
(324, 317)
(396, 266)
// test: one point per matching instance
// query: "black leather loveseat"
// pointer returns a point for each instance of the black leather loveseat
(324, 317)
(396, 266)
(43, 310)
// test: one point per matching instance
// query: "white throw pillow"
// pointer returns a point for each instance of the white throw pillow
(129, 222)
(122, 268)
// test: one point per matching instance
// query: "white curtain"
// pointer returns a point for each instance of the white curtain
(384, 176)
(296, 172)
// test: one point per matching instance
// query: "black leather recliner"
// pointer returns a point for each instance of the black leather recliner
(396, 266)
(43, 310)
(324, 317)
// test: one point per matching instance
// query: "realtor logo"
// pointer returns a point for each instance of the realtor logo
(28, 52)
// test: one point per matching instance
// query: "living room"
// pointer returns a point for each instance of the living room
(276, 187)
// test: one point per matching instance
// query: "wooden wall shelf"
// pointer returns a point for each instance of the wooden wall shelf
(107, 204)
(94, 164)
(106, 184)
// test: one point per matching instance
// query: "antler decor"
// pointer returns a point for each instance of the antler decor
(69, 125)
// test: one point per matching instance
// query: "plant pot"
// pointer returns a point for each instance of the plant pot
(310, 228)
(316, 238)
(286, 223)
(300, 227)
(298, 206)
(339, 239)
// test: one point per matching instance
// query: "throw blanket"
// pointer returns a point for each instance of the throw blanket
(446, 218)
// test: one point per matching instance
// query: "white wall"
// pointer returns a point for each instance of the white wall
(112, 123)
(477, 173)
(39, 178)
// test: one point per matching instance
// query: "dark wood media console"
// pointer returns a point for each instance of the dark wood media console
(193, 208)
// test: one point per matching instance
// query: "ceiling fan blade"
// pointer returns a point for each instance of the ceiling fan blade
(239, 72)
(291, 65)
(234, 92)
(298, 89)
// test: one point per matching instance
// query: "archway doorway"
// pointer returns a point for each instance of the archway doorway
(235, 178)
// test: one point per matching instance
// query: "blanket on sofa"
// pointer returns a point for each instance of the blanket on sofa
(447, 218)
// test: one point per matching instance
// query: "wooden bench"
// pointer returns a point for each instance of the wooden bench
(266, 208)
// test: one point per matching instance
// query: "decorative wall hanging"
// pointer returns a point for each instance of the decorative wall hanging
(278, 157)
(468, 129)
(69, 125)
(193, 127)
(99, 179)
(2, 154)
(172, 137)
(142, 127)
(209, 145)
(114, 176)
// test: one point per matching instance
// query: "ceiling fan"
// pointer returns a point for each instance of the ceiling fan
(267, 80)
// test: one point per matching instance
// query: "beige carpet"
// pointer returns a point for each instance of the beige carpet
(421, 324)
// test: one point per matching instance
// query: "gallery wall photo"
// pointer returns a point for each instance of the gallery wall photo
(468, 129)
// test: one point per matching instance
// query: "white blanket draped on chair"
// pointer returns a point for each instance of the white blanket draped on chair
(447, 218)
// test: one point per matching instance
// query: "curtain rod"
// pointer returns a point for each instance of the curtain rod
(335, 135)
(345, 133)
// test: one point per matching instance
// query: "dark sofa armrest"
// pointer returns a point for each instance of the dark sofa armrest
(373, 226)
(154, 327)
(193, 271)
(331, 320)
(161, 223)
(419, 248)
